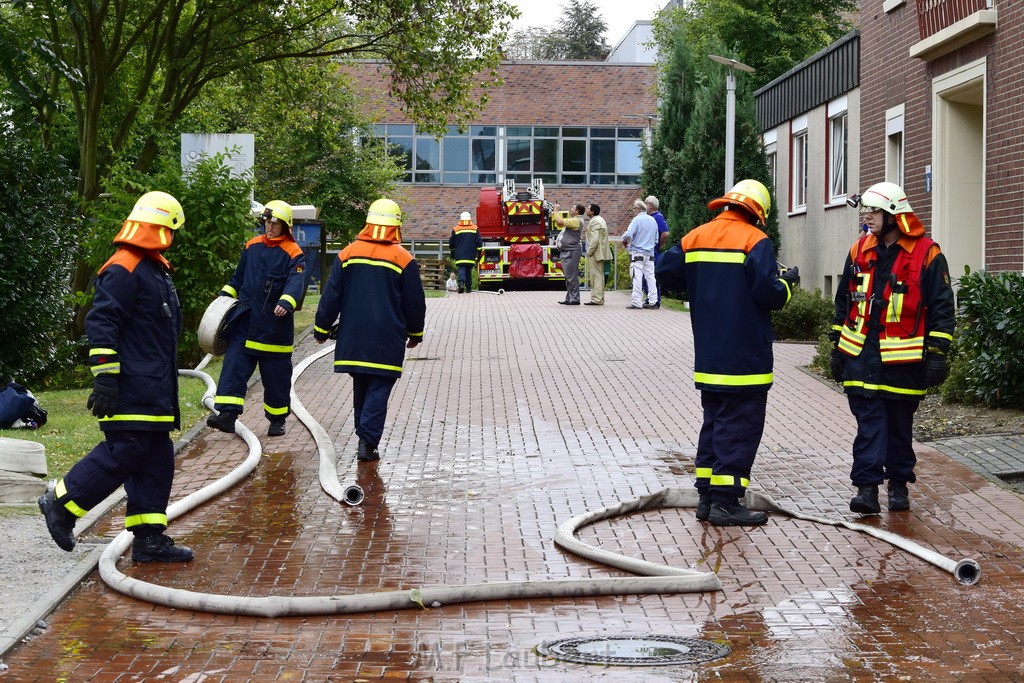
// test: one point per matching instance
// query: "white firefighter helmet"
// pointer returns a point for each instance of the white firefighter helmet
(888, 197)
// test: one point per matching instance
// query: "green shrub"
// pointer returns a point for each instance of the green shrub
(806, 317)
(988, 358)
(37, 250)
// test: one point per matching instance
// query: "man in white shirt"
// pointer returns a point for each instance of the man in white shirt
(639, 239)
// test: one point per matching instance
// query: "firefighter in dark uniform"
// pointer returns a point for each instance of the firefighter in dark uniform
(465, 246)
(133, 328)
(268, 282)
(375, 288)
(893, 325)
(728, 267)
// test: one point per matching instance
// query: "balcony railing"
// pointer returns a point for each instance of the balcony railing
(935, 15)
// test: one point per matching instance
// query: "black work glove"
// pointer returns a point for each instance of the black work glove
(836, 364)
(792, 276)
(935, 369)
(105, 396)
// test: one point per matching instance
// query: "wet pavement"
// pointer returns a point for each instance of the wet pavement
(514, 416)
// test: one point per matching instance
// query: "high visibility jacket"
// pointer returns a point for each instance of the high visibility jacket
(728, 268)
(893, 304)
(133, 329)
(465, 244)
(375, 288)
(270, 273)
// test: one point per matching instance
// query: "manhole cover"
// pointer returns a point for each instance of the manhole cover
(651, 650)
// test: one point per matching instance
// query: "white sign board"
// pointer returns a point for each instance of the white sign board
(239, 149)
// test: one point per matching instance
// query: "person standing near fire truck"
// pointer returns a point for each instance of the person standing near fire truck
(465, 245)
(570, 250)
(893, 326)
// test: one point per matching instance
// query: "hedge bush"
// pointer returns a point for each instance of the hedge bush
(987, 355)
(37, 251)
(805, 318)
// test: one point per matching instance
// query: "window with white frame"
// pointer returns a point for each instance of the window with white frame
(798, 164)
(894, 145)
(838, 128)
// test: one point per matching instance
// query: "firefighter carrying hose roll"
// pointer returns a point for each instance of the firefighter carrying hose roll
(133, 329)
(893, 325)
(268, 282)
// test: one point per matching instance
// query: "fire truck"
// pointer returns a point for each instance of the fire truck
(518, 236)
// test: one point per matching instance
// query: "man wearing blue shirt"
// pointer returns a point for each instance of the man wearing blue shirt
(654, 211)
(640, 239)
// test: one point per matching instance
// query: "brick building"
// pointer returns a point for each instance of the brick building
(579, 126)
(942, 113)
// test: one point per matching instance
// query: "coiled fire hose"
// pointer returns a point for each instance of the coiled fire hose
(654, 578)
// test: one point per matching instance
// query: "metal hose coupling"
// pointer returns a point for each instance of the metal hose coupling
(353, 495)
(967, 572)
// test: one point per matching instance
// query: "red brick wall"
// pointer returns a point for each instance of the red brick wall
(534, 93)
(889, 76)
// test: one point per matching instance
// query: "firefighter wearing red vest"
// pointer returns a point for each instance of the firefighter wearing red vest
(133, 329)
(268, 282)
(729, 270)
(892, 328)
(375, 294)
(465, 245)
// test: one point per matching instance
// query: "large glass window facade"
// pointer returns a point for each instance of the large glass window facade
(566, 155)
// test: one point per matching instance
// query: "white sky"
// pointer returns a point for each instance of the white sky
(619, 15)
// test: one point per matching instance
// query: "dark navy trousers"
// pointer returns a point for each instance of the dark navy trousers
(466, 276)
(370, 394)
(883, 448)
(728, 441)
(141, 460)
(239, 364)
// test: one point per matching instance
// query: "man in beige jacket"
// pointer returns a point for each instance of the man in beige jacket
(597, 253)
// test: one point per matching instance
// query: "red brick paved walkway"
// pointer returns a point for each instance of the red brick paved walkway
(515, 415)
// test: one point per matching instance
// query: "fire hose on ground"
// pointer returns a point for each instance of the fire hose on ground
(653, 577)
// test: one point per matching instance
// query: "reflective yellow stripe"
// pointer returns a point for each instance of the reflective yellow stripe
(732, 380)
(163, 236)
(275, 411)
(138, 418)
(895, 309)
(789, 290)
(107, 369)
(102, 352)
(321, 330)
(703, 256)
(885, 387)
(61, 490)
(941, 335)
(230, 290)
(272, 348)
(465, 262)
(370, 262)
(703, 472)
(147, 518)
(290, 300)
(415, 334)
(728, 480)
(463, 232)
(896, 350)
(361, 364)
(851, 342)
(229, 400)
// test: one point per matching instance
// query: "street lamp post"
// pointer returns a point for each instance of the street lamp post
(730, 113)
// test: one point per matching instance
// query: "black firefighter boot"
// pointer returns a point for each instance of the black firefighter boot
(735, 514)
(159, 548)
(899, 497)
(59, 521)
(703, 505)
(367, 452)
(224, 421)
(866, 501)
(276, 427)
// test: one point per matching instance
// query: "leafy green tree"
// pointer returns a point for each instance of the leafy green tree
(770, 35)
(313, 153)
(37, 248)
(136, 65)
(579, 36)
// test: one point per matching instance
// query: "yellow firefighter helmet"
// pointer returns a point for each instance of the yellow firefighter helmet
(751, 195)
(158, 208)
